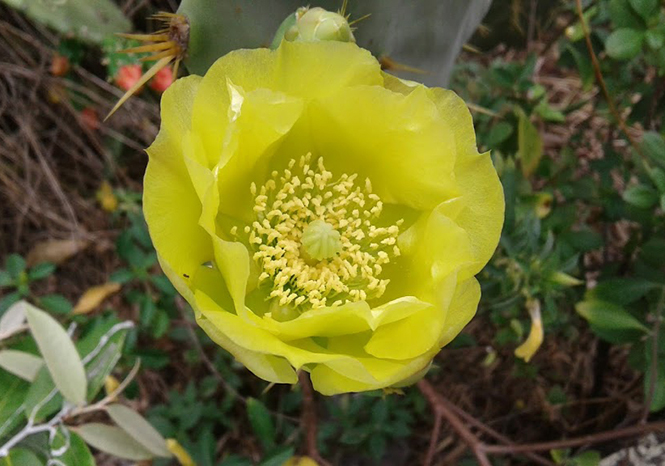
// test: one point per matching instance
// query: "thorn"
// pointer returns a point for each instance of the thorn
(388, 63)
(145, 78)
(150, 47)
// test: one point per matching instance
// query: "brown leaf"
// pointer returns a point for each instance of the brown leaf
(55, 251)
(92, 298)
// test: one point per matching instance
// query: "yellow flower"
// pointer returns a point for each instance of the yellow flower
(321, 215)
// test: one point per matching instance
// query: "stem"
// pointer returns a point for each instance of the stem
(309, 419)
(601, 80)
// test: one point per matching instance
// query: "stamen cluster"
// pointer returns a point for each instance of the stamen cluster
(305, 193)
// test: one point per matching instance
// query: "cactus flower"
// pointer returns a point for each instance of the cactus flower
(321, 215)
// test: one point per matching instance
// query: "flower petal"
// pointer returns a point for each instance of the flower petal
(399, 142)
(305, 70)
(170, 202)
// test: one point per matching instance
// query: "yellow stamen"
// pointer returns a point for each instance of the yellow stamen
(315, 239)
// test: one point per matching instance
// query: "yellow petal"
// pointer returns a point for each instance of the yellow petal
(303, 70)
(527, 349)
(170, 202)
(398, 141)
(94, 296)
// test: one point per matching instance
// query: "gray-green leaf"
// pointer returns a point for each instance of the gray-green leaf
(624, 44)
(113, 440)
(21, 364)
(12, 320)
(140, 429)
(60, 355)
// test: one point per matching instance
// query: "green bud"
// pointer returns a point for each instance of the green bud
(314, 24)
(564, 279)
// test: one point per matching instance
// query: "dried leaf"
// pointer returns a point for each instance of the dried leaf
(55, 251)
(92, 298)
(61, 357)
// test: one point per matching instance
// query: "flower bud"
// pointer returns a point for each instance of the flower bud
(314, 24)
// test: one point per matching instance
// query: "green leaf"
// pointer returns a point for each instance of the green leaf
(55, 303)
(662, 202)
(8, 301)
(60, 355)
(499, 133)
(603, 314)
(621, 291)
(588, 458)
(655, 39)
(21, 364)
(5, 278)
(644, 8)
(41, 271)
(114, 441)
(641, 196)
(78, 453)
(12, 395)
(653, 146)
(39, 403)
(624, 16)
(261, 422)
(15, 264)
(547, 113)
(624, 44)
(658, 400)
(658, 177)
(278, 458)
(121, 276)
(139, 429)
(101, 365)
(530, 145)
(21, 457)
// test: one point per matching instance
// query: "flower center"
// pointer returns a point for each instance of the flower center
(316, 239)
(320, 240)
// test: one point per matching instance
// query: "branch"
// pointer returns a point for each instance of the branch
(309, 419)
(442, 410)
(576, 442)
